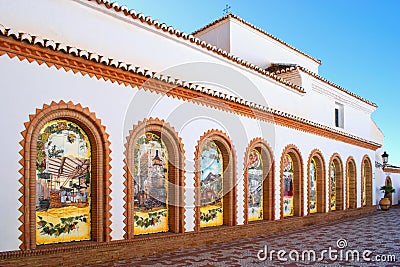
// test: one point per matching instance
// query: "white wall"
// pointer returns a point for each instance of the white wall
(219, 35)
(396, 184)
(120, 108)
(261, 50)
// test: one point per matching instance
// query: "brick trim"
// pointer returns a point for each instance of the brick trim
(388, 182)
(340, 182)
(316, 154)
(351, 186)
(268, 161)
(227, 149)
(368, 183)
(100, 169)
(176, 174)
(298, 178)
(109, 69)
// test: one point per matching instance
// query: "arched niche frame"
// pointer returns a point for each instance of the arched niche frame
(176, 174)
(320, 172)
(336, 161)
(351, 183)
(100, 169)
(228, 152)
(298, 176)
(388, 182)
(268, 170)
(367, 179)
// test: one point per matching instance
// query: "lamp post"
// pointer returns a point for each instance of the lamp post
(385, 159)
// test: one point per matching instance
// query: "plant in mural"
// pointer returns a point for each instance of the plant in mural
(313, 187)
(210, 215)
(333, 186)
(255, 185)
(154, 219)
(63, 156)
(66, 225)
(288, 172)
(150, 185)
(211, 185)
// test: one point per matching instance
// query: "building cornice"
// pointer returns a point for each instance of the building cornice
(322, 79)
(294, 67)
(391, 169)
(189, 39)
(33, 48)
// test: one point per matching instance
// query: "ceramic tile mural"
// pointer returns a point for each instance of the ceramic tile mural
(211, 185)
(288, 174)
(255, 186)
(332, 175)
(63, 182)
(150, 185)
(313, 187)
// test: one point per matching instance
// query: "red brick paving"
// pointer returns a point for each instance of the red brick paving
(378, 232)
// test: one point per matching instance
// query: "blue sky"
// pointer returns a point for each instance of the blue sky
(357, 41)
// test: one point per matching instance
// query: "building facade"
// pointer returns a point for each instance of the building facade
(123, 132)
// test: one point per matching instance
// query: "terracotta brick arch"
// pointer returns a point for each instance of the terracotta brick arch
(268, 189)
(338, 172)
(298, 178)
(316, 155)
(100, 169)
(176, 174)
(366, 176)
(227, 149)
(388, 182)
(351, 185)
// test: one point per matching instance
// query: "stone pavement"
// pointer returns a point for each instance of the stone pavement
(378, 232)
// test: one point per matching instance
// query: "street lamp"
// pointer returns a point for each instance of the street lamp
(385, 159)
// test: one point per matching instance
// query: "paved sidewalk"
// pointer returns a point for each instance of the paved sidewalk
(378, 232)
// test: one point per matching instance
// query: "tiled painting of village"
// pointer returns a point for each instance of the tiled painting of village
(62, 184)
(150, 185)
(211, 186)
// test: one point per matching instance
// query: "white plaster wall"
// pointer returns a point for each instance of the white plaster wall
(261, 50)
(396, 184)
(218, 35)
(380, 179)
(120, 108)
(320, 102)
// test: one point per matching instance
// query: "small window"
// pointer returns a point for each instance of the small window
(339, 115)
(336, 117)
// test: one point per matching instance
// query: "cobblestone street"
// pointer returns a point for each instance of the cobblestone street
(376, 235)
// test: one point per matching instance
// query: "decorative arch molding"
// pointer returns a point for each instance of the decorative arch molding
(100, 150)
(176, 173)
(227, 149)
(295, 154)
(351, 185)
(388, 182)
(366, 169)
(316, 154)
(340, 183)
(268, 193)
